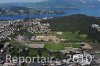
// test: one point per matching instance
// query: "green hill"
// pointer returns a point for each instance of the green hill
(72, 23)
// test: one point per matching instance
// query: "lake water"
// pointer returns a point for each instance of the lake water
(90, 11)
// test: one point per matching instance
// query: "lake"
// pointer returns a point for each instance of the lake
(90, 11)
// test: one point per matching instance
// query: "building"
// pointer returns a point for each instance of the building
(59, 33)
(96, 26)
(19, 38)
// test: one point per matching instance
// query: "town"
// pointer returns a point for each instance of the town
(35, 38)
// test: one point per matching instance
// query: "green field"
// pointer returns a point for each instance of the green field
(74, 45)
(17, 44)
(74, 36)
(54, 47)
(58, 47)
(32, 52)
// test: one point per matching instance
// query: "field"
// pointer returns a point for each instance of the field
(58, 47)
(54, 47)
(74, 36)
(74, 40)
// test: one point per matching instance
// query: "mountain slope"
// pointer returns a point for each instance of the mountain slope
(72, 23)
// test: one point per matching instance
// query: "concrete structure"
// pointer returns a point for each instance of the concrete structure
(68, 49)
(35, 45)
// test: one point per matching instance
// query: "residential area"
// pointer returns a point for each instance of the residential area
(34, 38)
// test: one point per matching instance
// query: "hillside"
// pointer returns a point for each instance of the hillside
(72, 23)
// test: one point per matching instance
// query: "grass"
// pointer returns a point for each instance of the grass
(68, 35)
(58, 47)
(54, 47)
(32, 52)
(83, 36)
(72, 45)
(74, 36)
(17, 44)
